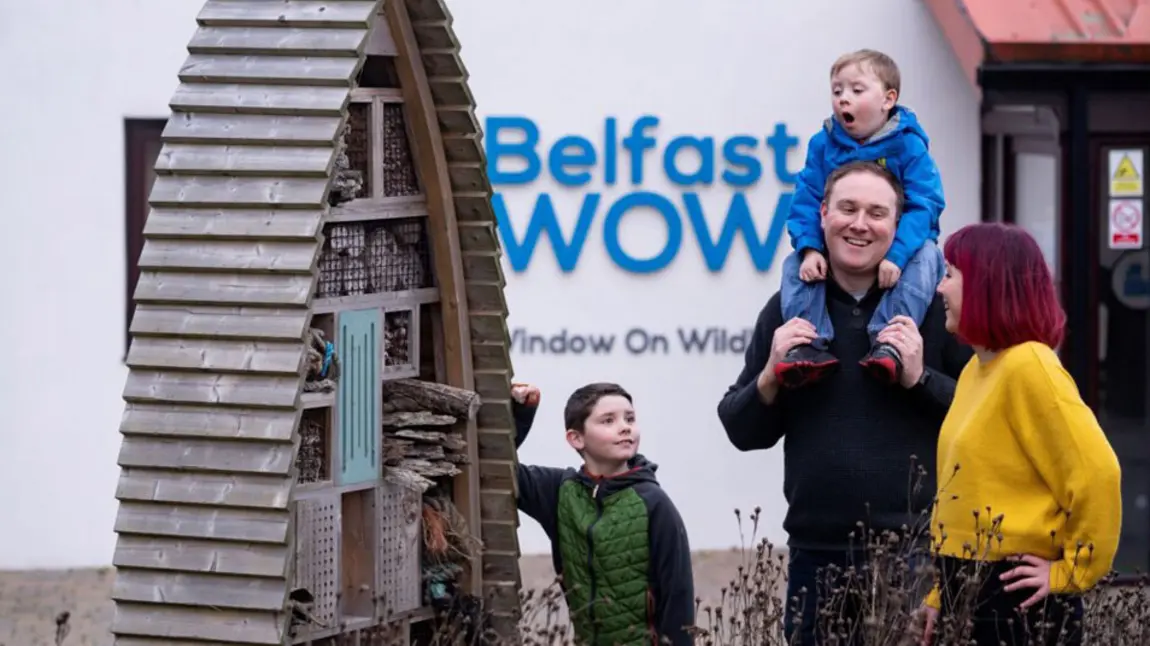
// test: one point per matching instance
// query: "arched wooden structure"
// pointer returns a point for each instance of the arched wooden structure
(321, 181)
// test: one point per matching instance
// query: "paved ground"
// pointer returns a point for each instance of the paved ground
(30, 600)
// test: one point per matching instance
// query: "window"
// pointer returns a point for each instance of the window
(141, 147)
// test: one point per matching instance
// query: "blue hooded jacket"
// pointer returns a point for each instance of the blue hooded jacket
(903, 147)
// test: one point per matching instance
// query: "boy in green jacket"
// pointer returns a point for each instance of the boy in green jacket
(617, 540)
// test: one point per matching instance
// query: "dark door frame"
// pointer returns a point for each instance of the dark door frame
(1098, 144)
(1078, 249)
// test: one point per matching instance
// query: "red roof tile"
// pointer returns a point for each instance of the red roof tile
(1045, 31)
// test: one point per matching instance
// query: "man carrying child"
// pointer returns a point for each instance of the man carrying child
(867, 124)
(852, 444)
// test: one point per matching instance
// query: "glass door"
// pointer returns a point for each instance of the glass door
(1023, 170)
(1123, 302)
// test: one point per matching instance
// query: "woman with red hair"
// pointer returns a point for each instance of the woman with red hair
(1028, 509)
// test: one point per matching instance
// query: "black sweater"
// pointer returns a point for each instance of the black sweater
(848, 441)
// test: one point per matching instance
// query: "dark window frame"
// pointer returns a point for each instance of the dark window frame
(141, 136)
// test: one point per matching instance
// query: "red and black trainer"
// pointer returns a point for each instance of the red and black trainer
(804, 365)
(884, 363)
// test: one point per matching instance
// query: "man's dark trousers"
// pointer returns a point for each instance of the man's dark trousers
(819, 572)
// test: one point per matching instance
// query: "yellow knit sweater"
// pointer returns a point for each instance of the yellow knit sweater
(1024, 468)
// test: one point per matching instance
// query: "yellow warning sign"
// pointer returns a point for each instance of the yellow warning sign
(1126, 169)
(1126, 173)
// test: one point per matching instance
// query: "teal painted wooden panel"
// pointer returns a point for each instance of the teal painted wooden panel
(359, 396)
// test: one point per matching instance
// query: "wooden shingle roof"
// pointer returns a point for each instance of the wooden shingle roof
(227, 277)
(216, 362)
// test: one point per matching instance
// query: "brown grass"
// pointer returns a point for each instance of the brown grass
(30, 600)
(749, 610)
(740, 601)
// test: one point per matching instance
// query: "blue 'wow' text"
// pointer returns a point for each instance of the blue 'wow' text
(574, 160)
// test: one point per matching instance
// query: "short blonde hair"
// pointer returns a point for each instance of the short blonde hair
(880, 64)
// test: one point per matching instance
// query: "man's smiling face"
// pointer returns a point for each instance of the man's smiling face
(859, 217)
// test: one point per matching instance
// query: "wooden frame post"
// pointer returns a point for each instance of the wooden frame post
(427, 148)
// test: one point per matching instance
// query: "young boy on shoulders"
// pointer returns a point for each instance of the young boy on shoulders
(868, 124)
(617, 540)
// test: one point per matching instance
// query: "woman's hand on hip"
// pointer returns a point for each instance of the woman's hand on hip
(929, 618)
(1031, 572)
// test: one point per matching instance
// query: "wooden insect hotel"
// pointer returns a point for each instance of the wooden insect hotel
(317, 438)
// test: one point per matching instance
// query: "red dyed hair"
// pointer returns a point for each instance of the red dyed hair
(1008, 296)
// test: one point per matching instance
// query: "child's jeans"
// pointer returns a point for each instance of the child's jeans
(911, 296)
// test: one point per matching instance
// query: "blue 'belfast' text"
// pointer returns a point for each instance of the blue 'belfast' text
(572, 160)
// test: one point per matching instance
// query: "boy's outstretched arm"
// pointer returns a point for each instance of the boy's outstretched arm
(538, 486)
(803, 217)
(922, 187)
(539, 494)
(524, 404)
(674, 582)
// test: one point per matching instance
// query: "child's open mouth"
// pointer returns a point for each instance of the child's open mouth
(848, 118)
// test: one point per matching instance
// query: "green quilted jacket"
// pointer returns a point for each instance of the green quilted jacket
(621, 549)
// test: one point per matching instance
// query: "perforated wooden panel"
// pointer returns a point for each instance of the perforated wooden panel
(317, 555)
(399, 511)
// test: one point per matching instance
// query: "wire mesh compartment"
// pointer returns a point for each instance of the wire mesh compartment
(359, 142)
(399, 177)
(317, 559)
(373, 257)
(401, 342)
(398, 559)
(315, 440)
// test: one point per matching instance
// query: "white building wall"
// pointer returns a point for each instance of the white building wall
(72, 71)
(721, 68)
